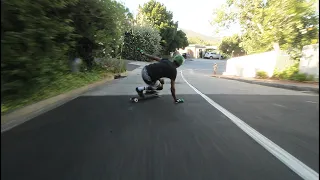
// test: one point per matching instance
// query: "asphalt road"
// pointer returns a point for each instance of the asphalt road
(101, 135)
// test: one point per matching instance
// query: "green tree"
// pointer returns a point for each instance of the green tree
(231, 46)
(40, 37)
(143, 37)
(290, 23)
(34, 41)
(155, 14)
(180, 40)
(99, 26)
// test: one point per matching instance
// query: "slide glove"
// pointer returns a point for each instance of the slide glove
(141, 51)
(179, 101)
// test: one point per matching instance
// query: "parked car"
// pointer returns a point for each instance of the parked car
(213, 55)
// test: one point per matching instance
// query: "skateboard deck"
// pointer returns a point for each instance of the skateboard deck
(146, 96)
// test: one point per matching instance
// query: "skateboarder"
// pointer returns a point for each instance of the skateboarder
(152, 74)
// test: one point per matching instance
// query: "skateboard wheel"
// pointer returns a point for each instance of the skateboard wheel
(135, 99)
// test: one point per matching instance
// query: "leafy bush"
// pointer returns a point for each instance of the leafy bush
(261, 75)
(225, 56)
(276, 74)
(143, 37)
(39, 37)
(292, 73)
(302, 77)
(34, 44)
(111, 65)
(287, 73)
(295, 54)
(299, 77)
(310, 77)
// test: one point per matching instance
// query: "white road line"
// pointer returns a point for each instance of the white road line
(311, 102)
(293, 163)
(279, 105)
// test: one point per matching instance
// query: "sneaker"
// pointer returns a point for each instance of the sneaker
(160, 87)
(140, 92)
(151, 91)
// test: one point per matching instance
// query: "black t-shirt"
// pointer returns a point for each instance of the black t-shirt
(161, 69)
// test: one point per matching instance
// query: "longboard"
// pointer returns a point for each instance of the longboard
(146, 96)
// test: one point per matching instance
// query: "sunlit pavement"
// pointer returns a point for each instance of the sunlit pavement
(101, 135)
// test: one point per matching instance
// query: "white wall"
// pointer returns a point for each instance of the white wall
(283, 61)
(247, 66)
(309, 62)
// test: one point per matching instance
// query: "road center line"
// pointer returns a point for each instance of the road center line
(293, 163)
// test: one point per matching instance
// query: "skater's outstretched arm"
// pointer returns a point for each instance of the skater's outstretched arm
(173, 90)
(152, 57)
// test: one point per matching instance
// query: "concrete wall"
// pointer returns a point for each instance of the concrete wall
(283, 61)
(247, 66)
(309, 62)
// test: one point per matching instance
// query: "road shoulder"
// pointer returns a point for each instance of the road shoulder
(26, 113)
(311, 87)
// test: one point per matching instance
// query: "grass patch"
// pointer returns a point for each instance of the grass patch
(62, 84)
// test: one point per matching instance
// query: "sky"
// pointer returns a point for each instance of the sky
(193, 15)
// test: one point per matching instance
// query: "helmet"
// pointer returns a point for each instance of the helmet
(178, 59)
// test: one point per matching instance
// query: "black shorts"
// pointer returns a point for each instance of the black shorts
(147, 79)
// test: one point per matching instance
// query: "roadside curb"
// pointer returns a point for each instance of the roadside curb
(24, 114)
(277, 85)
